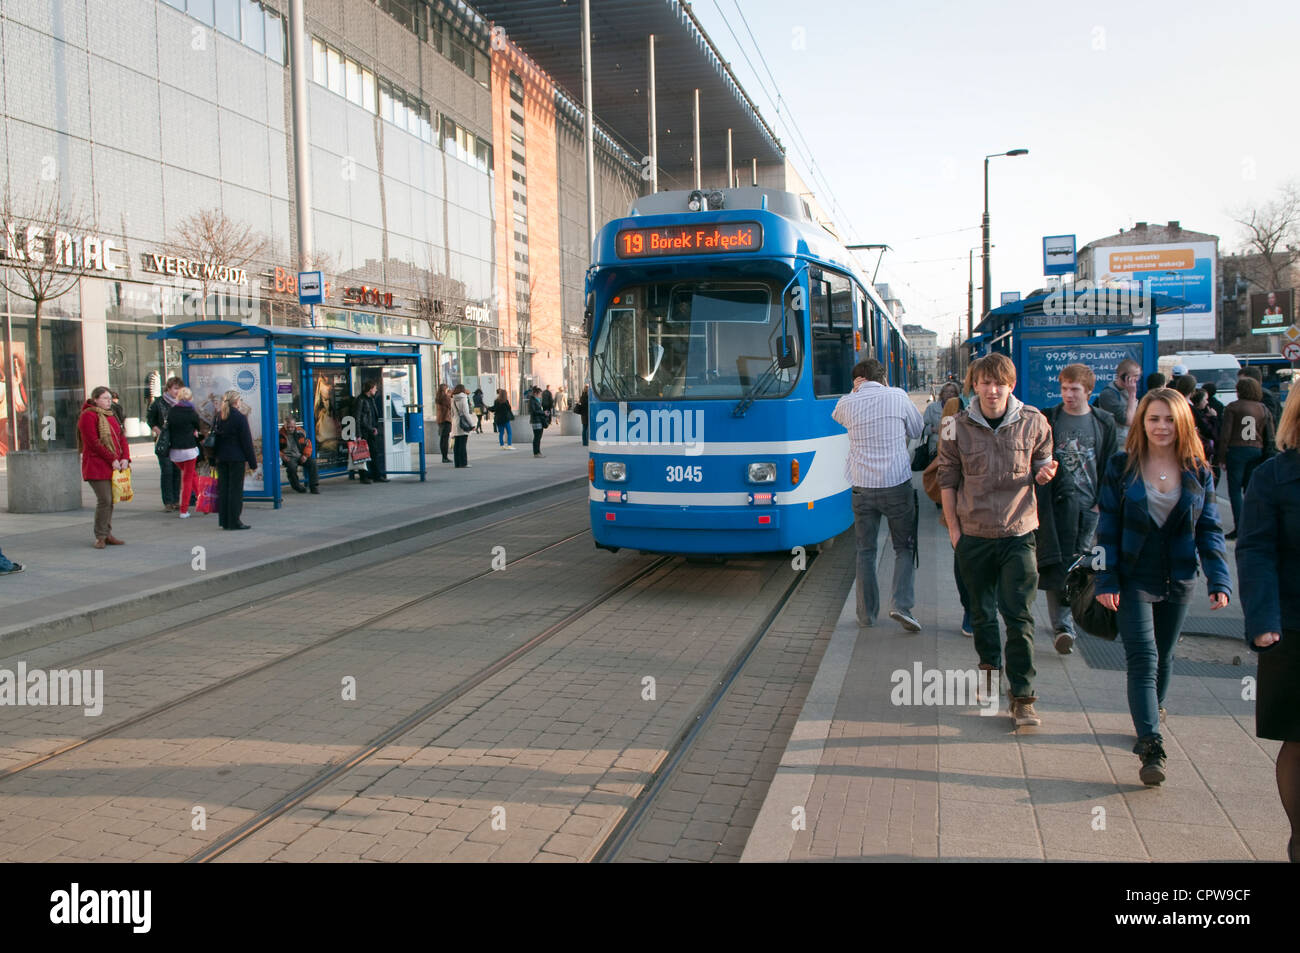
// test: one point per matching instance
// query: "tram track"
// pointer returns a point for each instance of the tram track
(295, 797)
(627, 827)
(46, 757)
(150, 638)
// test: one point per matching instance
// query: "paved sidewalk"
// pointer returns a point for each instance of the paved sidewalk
(865, 779)
(70, 587)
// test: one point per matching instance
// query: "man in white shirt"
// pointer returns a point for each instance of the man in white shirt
(880, 420)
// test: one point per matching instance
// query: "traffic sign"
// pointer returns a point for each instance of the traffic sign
(1291, 351)
(1292, 333)
(311, 287)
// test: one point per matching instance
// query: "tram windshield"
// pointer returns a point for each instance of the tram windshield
(686, 340)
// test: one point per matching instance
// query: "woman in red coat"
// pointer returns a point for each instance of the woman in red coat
(103, 450)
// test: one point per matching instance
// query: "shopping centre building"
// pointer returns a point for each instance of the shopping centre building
(445, 161)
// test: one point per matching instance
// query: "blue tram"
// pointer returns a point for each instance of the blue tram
(724, 327)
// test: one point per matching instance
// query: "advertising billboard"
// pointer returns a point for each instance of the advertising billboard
(1042, 386)
(1271, 312)
(1194, 267)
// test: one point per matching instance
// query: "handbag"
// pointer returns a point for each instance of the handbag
(465, 422)
(358, 451)
(164, 441)
(1080, 591)
(921, 456)
(122, 492)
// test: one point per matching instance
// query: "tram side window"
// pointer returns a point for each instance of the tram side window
(832, 334)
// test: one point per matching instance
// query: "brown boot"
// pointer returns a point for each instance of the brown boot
(99, 544)
(114, 541)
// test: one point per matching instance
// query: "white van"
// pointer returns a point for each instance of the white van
(1205, 366)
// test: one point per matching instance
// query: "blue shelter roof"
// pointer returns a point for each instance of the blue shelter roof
(235, 331)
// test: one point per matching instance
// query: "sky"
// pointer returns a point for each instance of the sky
(1133, 111)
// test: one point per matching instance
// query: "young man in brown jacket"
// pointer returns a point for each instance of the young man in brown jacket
(988, 463)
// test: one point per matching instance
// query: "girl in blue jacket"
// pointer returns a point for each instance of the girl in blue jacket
(1157, 514)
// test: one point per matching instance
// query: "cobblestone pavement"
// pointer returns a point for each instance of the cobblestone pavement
(882, 781)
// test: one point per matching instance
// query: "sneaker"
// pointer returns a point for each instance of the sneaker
(14, 568)
(185, 516)
(905, 619)
(966, 628)
(1064, 642)
(1022, 711)
(1152, 753)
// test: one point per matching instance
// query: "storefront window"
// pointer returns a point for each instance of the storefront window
(135, 368)
(61, 384)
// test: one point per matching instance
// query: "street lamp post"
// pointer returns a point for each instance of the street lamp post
(988, 287)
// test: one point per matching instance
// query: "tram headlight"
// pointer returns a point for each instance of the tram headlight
(695, 201)
(615, 471)
(762, 473)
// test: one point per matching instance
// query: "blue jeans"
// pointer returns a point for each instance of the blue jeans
(1238, 459)
(1149, 631)
(898, 505)
(504, 436)
(1058, 610)
(5, 564)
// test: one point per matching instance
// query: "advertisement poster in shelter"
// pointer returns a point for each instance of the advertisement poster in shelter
(332, 401)
(210, 382)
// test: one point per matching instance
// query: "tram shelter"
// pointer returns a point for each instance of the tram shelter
(1098, 327)
(314, 375)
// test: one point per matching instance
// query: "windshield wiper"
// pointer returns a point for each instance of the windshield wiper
(759, 388)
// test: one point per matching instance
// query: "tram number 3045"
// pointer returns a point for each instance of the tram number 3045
(685, 474)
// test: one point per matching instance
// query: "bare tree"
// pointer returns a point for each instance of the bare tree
(42, 256)
(1272, 232)
(209, 238)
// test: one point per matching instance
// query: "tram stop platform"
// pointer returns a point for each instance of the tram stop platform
(69, 588)
(864, 779)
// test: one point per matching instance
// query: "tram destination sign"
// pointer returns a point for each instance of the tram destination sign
(718, 238)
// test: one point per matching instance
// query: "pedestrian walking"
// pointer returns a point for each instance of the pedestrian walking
(1266, 396)
(951, 408)
(999, 450)
(183, 429)
(933, 416)
(295, 454)
(479, 409)
(1119, 398)
(538, 419)
(1268, 559)
(462, 425)
(502, 414)
(1207, 422)
(580, 408)
(1245, 431)
(369, 421)
(1083, 440)
(442, 412)
(548, 403)
(880, 420)
(1157, 515)
(8, 567)
(169, 474)
(103, 450)
(234, 452)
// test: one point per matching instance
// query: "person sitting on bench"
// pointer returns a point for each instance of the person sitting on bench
(295, 452)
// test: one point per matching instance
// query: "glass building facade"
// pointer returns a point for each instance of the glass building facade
(137, 116)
